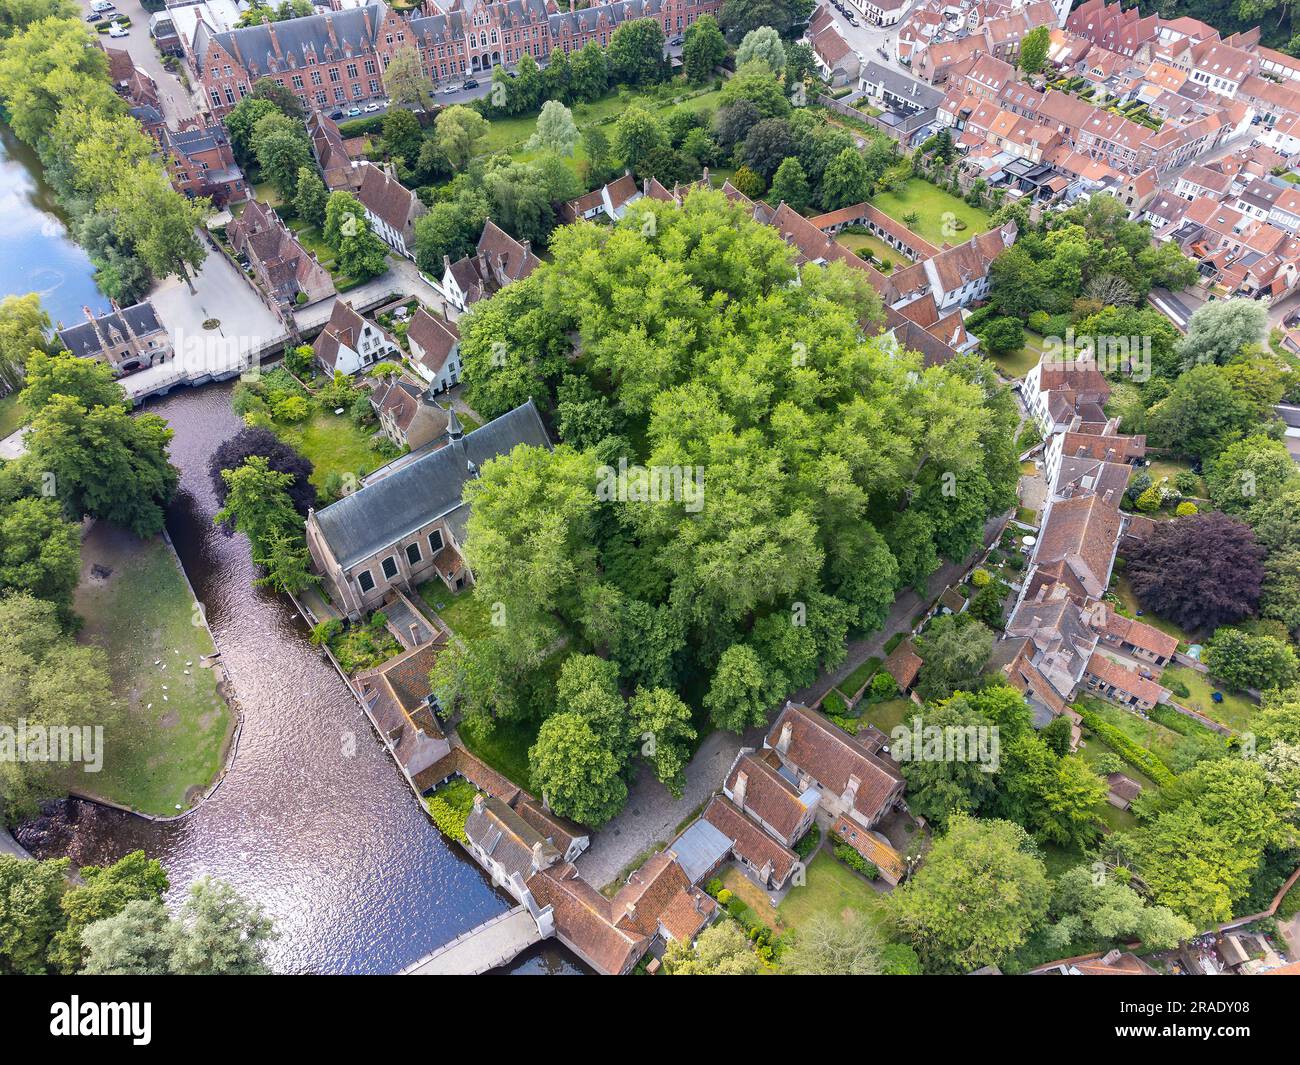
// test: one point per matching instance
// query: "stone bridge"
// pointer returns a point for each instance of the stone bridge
(495, 942)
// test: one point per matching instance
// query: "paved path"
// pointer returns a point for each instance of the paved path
(651, 816)
(495, 942)
(9, 845)
(177, 103)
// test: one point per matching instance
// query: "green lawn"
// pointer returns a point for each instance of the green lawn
(931, 205)
(142, 615)
(859, 676)
(1157, 739)
(504, 748)
(1235, 711)
(1160, 468)
(313, 240)
(878, 248)
(1016, 364)
(464, 614)
(890, 714)
(832, 889)
(11, 414)
(334, 445)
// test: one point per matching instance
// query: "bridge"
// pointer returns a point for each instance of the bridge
(495, 942)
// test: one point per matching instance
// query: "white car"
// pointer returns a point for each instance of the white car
(101, 6)
(450, 90)
(116, 29)
(371, 108)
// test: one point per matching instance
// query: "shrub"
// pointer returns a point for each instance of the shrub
(883, 686)
(980, 578)
(449, 807)
(1185, 481)
(1150, 500)
(808, 842)
(714, 887)
(833, 705)
(326, 631)
(724, 896)
(853, 859)
(292, 409)
(1138, 757)
(1186, 509)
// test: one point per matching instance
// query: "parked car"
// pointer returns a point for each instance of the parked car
(336, 114)
(101, 6)
(94, 16)
(353, 112)
(116, 29)
(450, 90)
(470, 83)
(849, 17)
(676, 41)
(370, 108)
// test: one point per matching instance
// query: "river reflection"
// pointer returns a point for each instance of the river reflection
(331, 843)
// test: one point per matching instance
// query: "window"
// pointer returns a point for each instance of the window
(389, 567)
(435, 541)
(413, 555)
(364, 581)
(352, 70)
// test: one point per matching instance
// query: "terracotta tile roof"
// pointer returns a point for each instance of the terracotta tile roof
(436, 339)
(660, 888)
(878, 853)
(768, 795)
(832, 758)
(903, 664)
(559, 831)
(1084, 532)
(387, 197)
(583, 920)
(507, 838)
(1127, 680)
(1139, 634)
(749, 842)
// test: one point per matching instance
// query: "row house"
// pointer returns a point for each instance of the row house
(391, 208)
(497, 261)
(284, 268)
(350, 343)
(407, 411)
(435, 349)
(339, 159)
(609, 202)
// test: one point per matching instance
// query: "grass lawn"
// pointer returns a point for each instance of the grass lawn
(334, 445)
(1157, 739)
(931, 204)
(890, 714)
(878, 248)
(832, 889)
(859, 676)
(267, 193)
(11, 414)
(464, 614)
(1235, 711)
(504, 748)
(1016, 364)
(1129, 606)
(311, 238)
(178, 724)
(1160, 468)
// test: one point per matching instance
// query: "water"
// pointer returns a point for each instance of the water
(333, 845)
(40, 256)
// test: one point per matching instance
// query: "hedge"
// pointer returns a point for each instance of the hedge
(1137, 756)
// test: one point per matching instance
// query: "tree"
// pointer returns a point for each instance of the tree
(790, 185)
(458, 130)
(221, 933)
(741, 16)
(257, 503)
(757, 85)
(1241, 660)
(636, 134)
(1111, 910)
(955, 650)
(1218, 331)
(577, 775)
(590, 72)
(831, 945)
(703, 49)
(1199, 572)
(976, 898)
(748, 183)
(766, 146)
(663, 723)
(103, 891)
(88, 381)
(310, 197)
(1033, 49)
(40, 551)
(939, 788)
(762, 44)
(139, 940)
(359, 252)
(24, 326)
(720, 950)
(402, 136)
(735, 699)
(281, 148)
(733, 122)
(556, 130)
(284, 98)
(636, 52)
(158, 222)
(1001, 335)
(103, 462)
(1204, 411)
(404, 81)
(31, 894)
(449, 230)
(846, 181)
(241, 122)
(1249, 472)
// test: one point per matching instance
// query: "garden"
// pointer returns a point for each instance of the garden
(359, 646)
(931, 204)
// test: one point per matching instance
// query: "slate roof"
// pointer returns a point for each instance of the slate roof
(84, 340)
(429, 487)
(507, 837)
(355, 29)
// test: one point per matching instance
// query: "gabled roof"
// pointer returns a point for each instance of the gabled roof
(387, 197)
(768, 795)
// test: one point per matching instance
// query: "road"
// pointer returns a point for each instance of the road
(867, 39)
(177, 103)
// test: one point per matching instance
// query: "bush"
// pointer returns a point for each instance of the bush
(808, 843)
(450, 805)
(892, 643)
(325, 631)
(1186, 509)
(980, 578)
(853, 859)
(833, 705)
(1150, 500)
(1186, 483)
(883, 686)
(1138, 757)
(714, 887)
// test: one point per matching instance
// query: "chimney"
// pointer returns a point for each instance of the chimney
(851, 790)
(446, 262)
(329, 28)
(783, 741)
(631, 911)
(537, 857)
(738, 789)
(415, 634)
(478, 802)
(275, 41)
